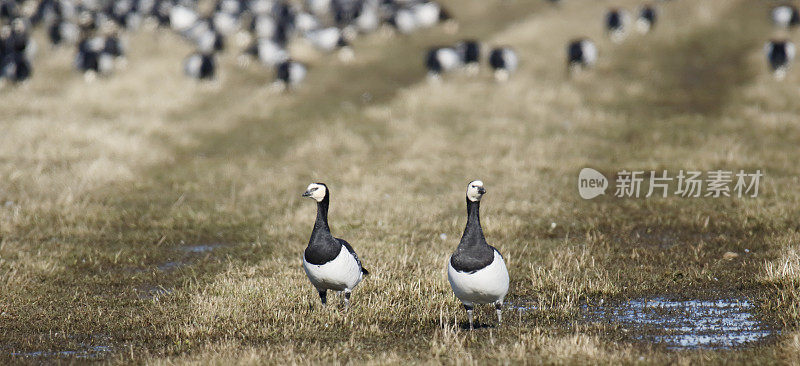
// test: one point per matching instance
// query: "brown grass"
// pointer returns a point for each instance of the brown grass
(111, 185)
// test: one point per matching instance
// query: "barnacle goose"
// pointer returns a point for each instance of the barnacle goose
(181, 18)
(267, 51)
(785, 16)
(330, 39)
(429, 13)
(581, 53)
(92, 59)
(647, 19)
(441, 60)
(200, 65)
(504, 62)
(476, 271)
(290, 73)
(780, 54)
(330, 263)
(62, 31)
(15, 67)
(616, 24)
(469, 51)
(16, 38)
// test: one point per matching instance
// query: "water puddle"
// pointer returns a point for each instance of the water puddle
(685, 324)
(200, 248)
(154, 292)
(170, 266)
(92, 352)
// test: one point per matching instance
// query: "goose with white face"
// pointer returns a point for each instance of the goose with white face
(315, 191)
(475, 191)
(330, 263)
(476, 270)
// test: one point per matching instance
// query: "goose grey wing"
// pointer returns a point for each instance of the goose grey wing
(353, 252)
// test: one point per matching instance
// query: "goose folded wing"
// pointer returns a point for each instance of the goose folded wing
(353, 252)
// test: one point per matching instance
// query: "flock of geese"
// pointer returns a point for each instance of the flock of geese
(261, 29)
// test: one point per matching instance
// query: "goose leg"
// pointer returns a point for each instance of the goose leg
(346, 299)
(323, 295)
(469, 315)
(498, 306)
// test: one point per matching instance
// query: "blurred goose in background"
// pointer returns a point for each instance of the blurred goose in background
(469, 51)
(616, 24)
(268, 52)
(61, 31)
(19, 40)
(15, 54)
(328, 40)
(780, 54)
(581, 54)
(785, 16)
(429, 13)
(9, 10)
(440, 60)
(200, 66)
(647, 18)
(15, 67)
(289, 74)
(403, 21)
(92, 60)
(368, 18)
(503, 61)
(181, 18)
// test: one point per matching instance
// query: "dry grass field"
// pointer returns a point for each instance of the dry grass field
(147, 218)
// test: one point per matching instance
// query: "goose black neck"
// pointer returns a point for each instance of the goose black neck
(473, 233)
(322, 215)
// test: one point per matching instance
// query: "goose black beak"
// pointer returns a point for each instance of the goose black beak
(306, 194)
(481, 190)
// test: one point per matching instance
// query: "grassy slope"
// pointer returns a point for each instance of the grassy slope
(108, 199)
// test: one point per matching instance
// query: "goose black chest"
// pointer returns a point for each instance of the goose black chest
(330, 263)
(477, 271)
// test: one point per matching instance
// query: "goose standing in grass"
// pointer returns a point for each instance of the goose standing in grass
(785, 16)
(469, 50)
(647, 19)
(780, 54)
(581, 54)
(269, 52)
(200, 66)
(330, 263)
(616, 24)
(441, 60)
(403, 21)
(290, 74)
(476, 271)
(330, 39)
(504, 62)
(92, 60)
(15, 68)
